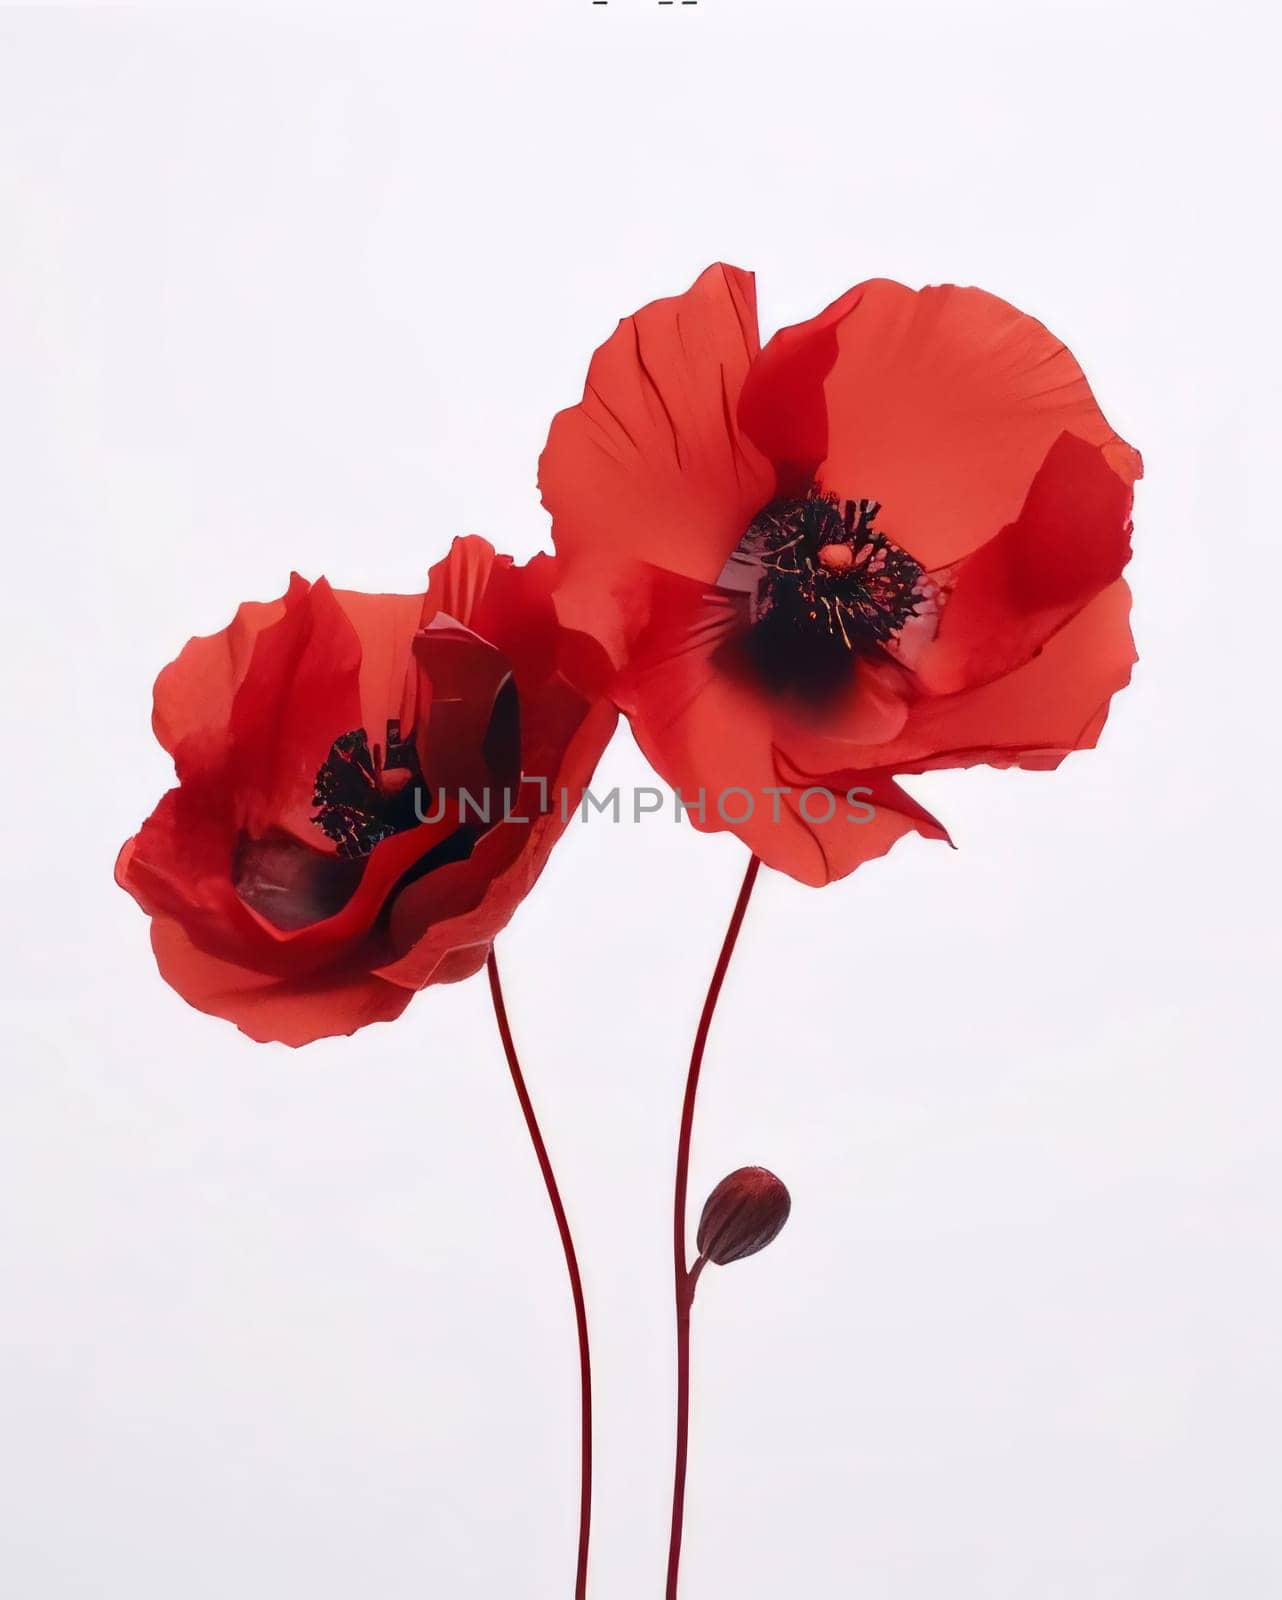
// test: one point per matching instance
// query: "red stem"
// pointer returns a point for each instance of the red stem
(572, 1266)
(684, 1278)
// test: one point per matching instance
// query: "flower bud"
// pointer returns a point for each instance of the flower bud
(742, 1215)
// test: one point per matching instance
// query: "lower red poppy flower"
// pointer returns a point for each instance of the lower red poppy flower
(368, 785)
(890, 540)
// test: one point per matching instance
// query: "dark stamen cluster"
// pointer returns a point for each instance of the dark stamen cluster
(825, 566)
(360, 805)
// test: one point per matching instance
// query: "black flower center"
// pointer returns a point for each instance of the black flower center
(824, 567)
(365, 796)
(823, 588)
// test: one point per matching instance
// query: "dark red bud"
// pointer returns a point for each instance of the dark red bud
(742, 1215)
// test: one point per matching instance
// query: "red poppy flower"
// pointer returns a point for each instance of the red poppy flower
(367, 787)
(890, 540)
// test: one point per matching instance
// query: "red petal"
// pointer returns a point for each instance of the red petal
(464, 906)
(385, 625)
(716, 738)
(513, 610)
(1034, 716)
(301, 690)
(651, 465)
(869, 814)
(291, 1010)
(181, 864)
(783, 409)
(940, 403)
(194, 693)
(1070, 541)
(461, 678)
(458, 584)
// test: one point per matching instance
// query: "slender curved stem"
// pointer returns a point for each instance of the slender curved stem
(685, 1279)
(572, 1266)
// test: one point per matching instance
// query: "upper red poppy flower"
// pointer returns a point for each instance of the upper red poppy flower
(890, 540)
(368, 785)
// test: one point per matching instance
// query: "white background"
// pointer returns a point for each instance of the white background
(306, 291)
